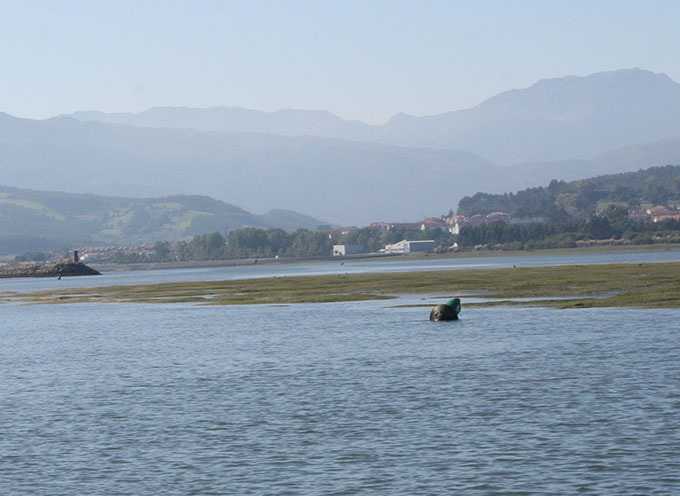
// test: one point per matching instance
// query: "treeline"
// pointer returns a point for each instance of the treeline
(270, 243)
(656, 185)
(253, 243)
(612, 224)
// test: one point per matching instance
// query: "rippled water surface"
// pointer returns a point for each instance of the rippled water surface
(342, 398)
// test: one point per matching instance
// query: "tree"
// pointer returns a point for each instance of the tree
(279, 241)
(310, 244)
(162, 249)
(616, 213)
(598, 227)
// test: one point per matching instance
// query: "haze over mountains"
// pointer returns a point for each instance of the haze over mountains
(348, 172)
(329, 179)
(554, 119)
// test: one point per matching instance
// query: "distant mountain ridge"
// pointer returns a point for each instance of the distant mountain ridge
(626, 159)
(554, 119)
(358, 178)
(286, 122)
(340, 181)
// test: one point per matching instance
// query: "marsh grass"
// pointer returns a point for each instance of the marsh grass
(652, 285)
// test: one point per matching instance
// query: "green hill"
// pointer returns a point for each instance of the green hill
(655, 185)
(38, 220)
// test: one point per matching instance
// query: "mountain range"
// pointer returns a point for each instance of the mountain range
(339, 181)
(347, 172)
(554, 119)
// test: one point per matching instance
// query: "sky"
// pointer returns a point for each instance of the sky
(360, 59)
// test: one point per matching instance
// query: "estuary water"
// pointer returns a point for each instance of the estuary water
(121, 278)
(337, 399)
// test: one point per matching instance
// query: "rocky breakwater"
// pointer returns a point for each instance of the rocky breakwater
(62, 269)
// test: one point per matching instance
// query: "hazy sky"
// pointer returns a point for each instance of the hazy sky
(360, 59)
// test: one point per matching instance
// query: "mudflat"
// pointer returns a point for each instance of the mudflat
(646, 285)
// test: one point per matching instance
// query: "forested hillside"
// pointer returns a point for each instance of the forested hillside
(655, 185)
(630, 208)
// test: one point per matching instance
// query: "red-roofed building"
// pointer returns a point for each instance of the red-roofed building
(659, 210)
(433, 222)
(661, 218)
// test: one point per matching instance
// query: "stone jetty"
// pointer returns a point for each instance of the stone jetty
(62, 269)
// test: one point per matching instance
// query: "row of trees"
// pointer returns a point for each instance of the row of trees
(254, 243)
(269, 243)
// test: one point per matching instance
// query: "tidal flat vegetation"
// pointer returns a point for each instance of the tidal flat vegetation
(649, 285)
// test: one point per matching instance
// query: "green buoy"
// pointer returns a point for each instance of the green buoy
(447, 311)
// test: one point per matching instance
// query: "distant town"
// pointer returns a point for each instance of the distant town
(448, 227)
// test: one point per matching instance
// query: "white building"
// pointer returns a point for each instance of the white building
(405, 246)
(455, 223)
(339, 250)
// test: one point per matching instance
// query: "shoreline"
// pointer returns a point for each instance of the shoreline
(110, 267)
(234, 263)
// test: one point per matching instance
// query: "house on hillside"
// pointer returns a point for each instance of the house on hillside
(661, 218)
(659, 210)
(455, 223)
(433, 222)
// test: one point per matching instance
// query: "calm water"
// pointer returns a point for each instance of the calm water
(335, 267)
(342, 398)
